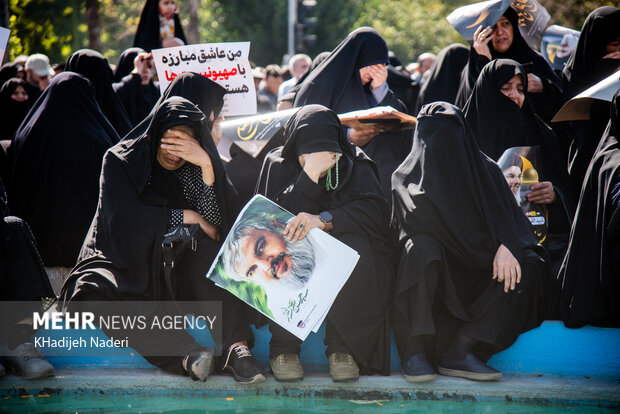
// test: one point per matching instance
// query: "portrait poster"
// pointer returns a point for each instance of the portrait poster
(557, 45)
(520, 166)
(293, 284)
(251, 134)
(533, 18)
(227, 64)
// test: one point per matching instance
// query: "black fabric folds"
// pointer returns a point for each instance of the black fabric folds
(147, 36)
(94, 67)
(55, 165)
(444, 78)
(360, 220)
(124, 65)
(121, 256)
(589, 277)
(137, 99)
(8, 71)
(13, 112)
(547, 103)
(586, 65)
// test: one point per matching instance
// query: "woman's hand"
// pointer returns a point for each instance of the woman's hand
(534, 83)
(185, 146)
(361, 137)
(542, 193)
(506, 268)
(481, 41)
(379, 75)
(300, 225)
(192, 217)
(315, 164)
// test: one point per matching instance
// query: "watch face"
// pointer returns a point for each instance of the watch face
(326, 217)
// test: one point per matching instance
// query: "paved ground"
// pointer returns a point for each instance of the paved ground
(152, 382)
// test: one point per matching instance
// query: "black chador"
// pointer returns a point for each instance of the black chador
(147, 36)
(547, 103)
(590, 275)
(336, 84)
(453, 209)
(55, 166)
(122, 255)
(357, 321)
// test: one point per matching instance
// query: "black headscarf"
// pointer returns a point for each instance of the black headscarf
(545, 104)
(125, 65)
(94, 67)
(55, 165)
(9, 70)
(336, 82)
(147, 35)
(586, 65)
(442, 82)
(121, 256)
(449, 189)
(589, 283)
(13, 112)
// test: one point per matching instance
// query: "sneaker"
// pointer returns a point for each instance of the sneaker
(417, 369)
(287, 367)
(242, 365)
(342, 367)
(201, 364)
(471, 368)
(27, 361)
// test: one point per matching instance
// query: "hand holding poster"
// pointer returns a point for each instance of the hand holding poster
(227, 64)
(532, 18)
(558, 44)
(294, 284)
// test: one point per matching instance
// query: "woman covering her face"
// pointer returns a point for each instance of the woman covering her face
(333, 186)
(151, 182)
(353, 77)
(461, 233)
(55, 166)
(589, 273)
(504, 41)
(14, 105)
(501, 117)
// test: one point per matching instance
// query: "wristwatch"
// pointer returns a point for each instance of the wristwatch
(326, 217)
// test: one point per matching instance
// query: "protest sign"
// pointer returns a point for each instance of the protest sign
(294, 284)
(4, 40)
(558, 44)
(532, 18)
(251, 134)
(379, 119)
(227, 64)
(578, 108)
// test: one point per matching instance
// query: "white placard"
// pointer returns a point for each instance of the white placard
(4, 40)
(227, 64)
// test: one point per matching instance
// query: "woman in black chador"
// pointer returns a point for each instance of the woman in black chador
(444, 77)
(152, 182)
(14, 106)
(159, 21)
(353, 77)
(332, 185)
(55, 163)
(94, 67)
(471, 278)
(590, 274)
(504, 41)
(501, 117)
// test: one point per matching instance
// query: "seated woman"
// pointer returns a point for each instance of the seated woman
(501, 117)
(55, 164)
(504, 41)
(589, 273)
(152, 182)
(333, 186)
(354, 77)
(471, 278)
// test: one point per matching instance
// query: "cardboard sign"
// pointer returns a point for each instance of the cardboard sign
(226, 64)
(578, 108)
(557, 45)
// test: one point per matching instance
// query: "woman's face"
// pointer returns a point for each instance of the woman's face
(613, 46)
(165, 158)
(502, 35)
(514, 90)
(167, 8)
(513, 178)
(19, 94)
(267, 257)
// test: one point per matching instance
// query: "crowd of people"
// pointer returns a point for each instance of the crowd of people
(464, 242)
